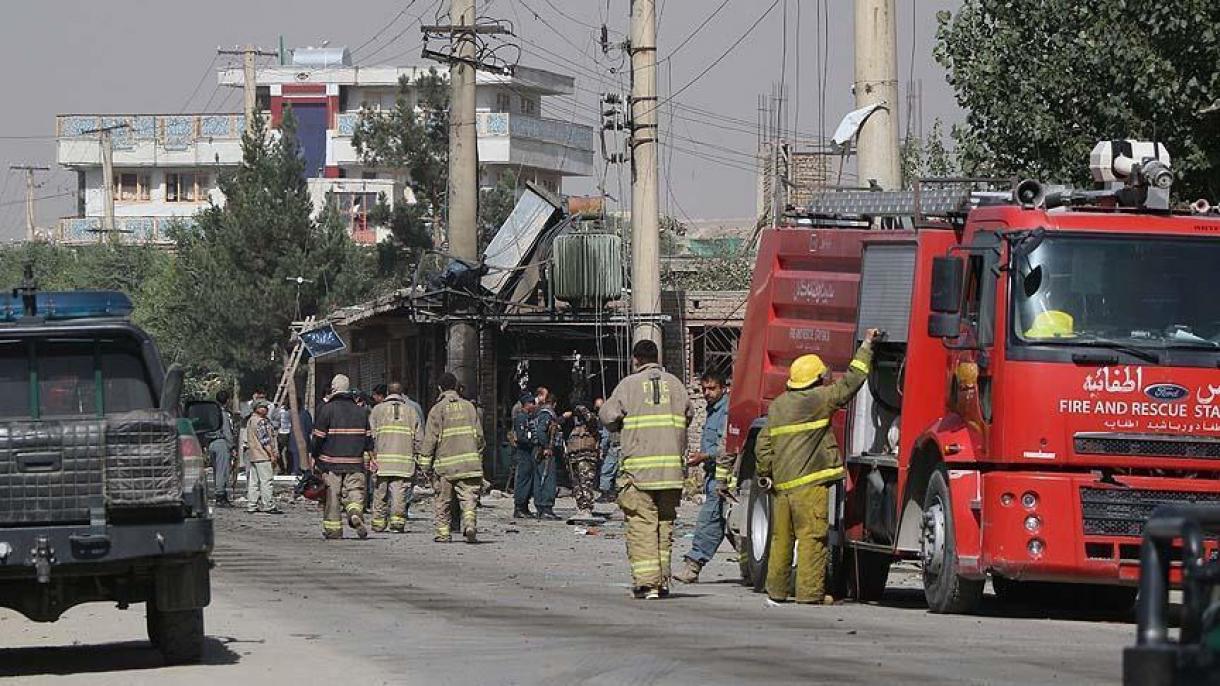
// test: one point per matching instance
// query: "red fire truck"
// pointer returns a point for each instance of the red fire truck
(1049, 377)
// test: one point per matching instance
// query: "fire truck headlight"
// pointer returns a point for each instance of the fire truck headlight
(1032, 524)
(1007, 499)
(1035, 547)
(1029, 500)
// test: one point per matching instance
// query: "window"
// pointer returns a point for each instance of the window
(504, 102)
(132, 186)
(528, 106)
(67, 374)
(186, 187)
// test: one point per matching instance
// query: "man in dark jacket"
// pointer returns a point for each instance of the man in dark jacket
(341, 437)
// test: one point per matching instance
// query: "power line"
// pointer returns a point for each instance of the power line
(39, 197)
(400, 34)
(206, 70)
(698, 28)
(383, 29)
(720, 59)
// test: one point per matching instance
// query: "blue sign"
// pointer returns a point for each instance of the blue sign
(1167, 392)
(322, 341)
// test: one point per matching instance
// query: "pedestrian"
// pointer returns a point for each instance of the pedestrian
(798, 459)
(452, 450)
(717, 473)
(582, 455)
(523, 456)
(380, 392)
(222, 450)
(652, 409)
(548, 438)
(283, 425)
(341, 442)
(609, 448)
(260, 436)
(396, 436)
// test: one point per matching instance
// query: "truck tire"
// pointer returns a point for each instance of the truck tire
(946, 591)
(178, 635)
(757, 539)
(867, 572)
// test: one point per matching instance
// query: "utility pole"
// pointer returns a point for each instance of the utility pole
(645, 202)
(29, 170)
(250, 77)
(463, 342)
(106, 140)
(877, 83)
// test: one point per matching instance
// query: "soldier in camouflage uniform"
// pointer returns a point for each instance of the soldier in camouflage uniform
(582, 459)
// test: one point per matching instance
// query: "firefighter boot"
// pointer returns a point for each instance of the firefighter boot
(689, 574)
(356, 521)
(471, 535)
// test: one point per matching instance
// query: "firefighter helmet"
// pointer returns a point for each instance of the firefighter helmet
(311, 487)
(806, 370)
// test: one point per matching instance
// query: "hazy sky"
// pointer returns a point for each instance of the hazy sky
(138, 56)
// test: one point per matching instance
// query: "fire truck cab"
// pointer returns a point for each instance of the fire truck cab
(1049, 378)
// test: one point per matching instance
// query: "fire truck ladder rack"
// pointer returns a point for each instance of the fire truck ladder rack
(948, 198)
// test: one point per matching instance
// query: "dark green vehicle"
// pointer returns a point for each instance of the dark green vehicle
(102, 489)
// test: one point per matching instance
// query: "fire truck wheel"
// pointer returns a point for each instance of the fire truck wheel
(946, 591)
(757, 545)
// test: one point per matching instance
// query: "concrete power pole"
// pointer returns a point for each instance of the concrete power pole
(249, 83)
(29, 170)
(462, 221)
(645, 202)
(877, 83)
(106, 141)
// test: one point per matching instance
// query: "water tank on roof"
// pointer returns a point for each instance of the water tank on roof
(587, 269)
(321, 58)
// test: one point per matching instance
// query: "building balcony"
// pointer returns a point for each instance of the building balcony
(76, 230)
(507, 139)
(152, 140)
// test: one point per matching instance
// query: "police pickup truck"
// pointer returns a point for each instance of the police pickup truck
(102, 489)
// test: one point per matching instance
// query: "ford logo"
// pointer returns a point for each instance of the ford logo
(1166, 392)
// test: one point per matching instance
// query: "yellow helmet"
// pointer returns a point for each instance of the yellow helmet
(805, 370)
(1052, 324)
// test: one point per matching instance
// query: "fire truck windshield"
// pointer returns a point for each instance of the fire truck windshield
(1133, 291)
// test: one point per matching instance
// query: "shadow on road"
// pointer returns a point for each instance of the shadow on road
(913, 599)
(103, 657)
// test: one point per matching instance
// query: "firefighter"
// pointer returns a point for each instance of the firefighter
(798, 459)
(652, 410)
(396, 435)
(341, 438)
(452, 449)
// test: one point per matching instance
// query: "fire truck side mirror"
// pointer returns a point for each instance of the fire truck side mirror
(948, 274)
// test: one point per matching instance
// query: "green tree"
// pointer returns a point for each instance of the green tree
(413, 140)
(1043, 80)
(229, 300)
(928, 157)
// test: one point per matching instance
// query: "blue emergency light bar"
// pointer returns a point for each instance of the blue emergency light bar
(60, 305)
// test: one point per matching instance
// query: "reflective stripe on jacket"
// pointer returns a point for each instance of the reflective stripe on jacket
(453, 439)
(797, 446)
(653, 408)
(341, 436)
(396, 436)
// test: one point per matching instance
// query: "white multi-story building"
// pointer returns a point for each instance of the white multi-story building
(166, 166)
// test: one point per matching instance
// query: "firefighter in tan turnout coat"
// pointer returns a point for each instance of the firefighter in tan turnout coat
(397, 433)
(453, 450)
(652, 409)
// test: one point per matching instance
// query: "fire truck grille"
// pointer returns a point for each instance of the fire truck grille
(1160, 446)
(1123, 511)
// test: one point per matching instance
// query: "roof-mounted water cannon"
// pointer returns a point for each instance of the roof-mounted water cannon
(1138, 172)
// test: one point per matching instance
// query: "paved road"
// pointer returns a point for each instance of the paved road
(536, 603)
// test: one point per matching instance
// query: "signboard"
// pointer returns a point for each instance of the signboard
(322, 341)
